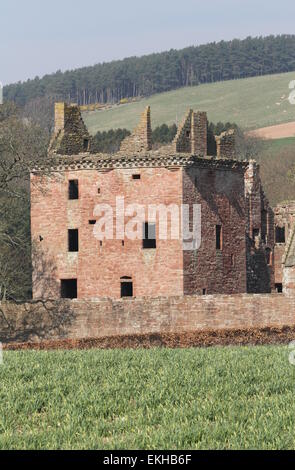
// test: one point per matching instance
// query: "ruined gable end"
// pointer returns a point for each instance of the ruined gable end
(71, 136)
(141, 138)
(191, 135)
(226, 144)
(182, 140)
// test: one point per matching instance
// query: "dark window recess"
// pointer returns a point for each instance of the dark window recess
(280, 235)
(100, 242)
(126, 287)
(123, 243)
(85, 144)
(73, 189)
(98, 190)
(136, 177)
(92, 222)
(204, 291)
(255, 233)
(73, 239)
(279, 288)
(218, 237)
(149, 235)
(68, 288)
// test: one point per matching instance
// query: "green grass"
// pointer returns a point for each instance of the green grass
(274, 146)
(251, 103)
(277, 168)
(219, 398)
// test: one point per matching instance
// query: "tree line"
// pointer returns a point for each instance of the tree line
(155, 73)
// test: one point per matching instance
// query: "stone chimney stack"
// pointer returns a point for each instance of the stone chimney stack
(199, 133)
(59, 116)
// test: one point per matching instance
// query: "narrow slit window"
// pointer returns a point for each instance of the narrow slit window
(73, 189)
(85, 144)
(268, 254)
(279, 287)
(73, 239)
(149, 235)
(218, 237)
(92, 222)
(136, 177)
(68, 288)
(280, 235)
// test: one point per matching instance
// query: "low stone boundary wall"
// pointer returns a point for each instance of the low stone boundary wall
(38, 320)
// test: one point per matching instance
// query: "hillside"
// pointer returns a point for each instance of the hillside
(165, 71)
(251, 103)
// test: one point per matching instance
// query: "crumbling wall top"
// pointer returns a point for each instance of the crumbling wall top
(70, 136)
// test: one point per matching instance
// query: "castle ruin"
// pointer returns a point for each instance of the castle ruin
(246, 246)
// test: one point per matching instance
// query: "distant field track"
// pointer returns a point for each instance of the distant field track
(280, 131)
(187, 339)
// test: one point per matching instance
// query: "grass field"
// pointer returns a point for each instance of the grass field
(251, 103)
(219, 398)
(277, 164)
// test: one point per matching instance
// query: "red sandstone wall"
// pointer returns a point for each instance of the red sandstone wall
(221, 195)
(174, 314)
(284, 217)
(99, 268)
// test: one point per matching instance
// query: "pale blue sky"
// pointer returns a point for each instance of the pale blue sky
(42, 36)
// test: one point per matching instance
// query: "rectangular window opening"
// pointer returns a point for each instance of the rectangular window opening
(204, 291)
(136, 177)
(280, 234)
(279, 287)
(85, 144)
(149, 235)
(68, 288)
(218, 237)
(73, 189)
(73, 240)
(92, 222)
(127, 289)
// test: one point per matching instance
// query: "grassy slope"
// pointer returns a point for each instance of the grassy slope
(277, 163)
(238, 397)
(251, 103)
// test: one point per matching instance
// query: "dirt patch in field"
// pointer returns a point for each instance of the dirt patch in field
(280, 131)
(187, 339)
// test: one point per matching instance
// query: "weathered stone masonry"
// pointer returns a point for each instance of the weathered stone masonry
(237, 230)
(105, 317)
